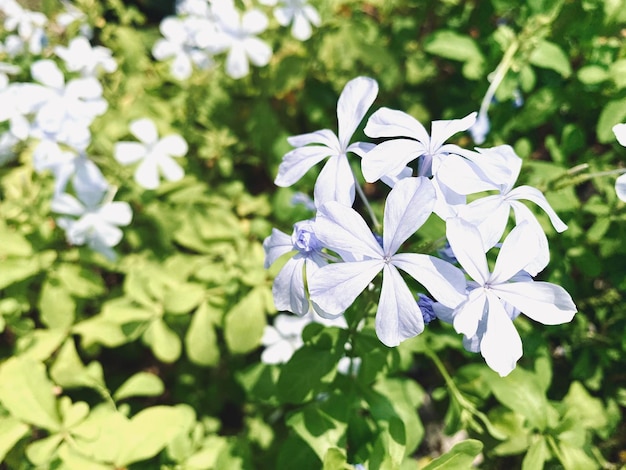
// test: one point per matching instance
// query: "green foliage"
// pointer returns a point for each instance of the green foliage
(152, 360)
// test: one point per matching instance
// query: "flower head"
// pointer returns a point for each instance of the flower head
(154, 154)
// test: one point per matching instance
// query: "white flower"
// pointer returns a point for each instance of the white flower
(298, 13)
(490, 214)
(620, 184)
(93, 221)
(336, 180)
(28, 24)
(81, 57)
(180, 43)
(85, 175)
(486, 313)
(155, 155)
(237, 35)
(71, 14)
(7, 69)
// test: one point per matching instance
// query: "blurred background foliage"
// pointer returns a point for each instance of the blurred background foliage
(153, 361)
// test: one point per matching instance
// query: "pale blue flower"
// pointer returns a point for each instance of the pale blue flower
(335, 287)
(81, 57)
(483, 317)
(289, 288)
(299, 13)
(620, 184)
(490, 214)
(480, 128)
(336, 181)
(92, 220)
(155, 155)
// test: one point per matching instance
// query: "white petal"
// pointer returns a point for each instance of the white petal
(288, 288)
(467, 246)
(387, 122)
(297, 162)
(398, 317)
(147, 174)
(519, 248)
(107, 235)
(164, 49)
(258, 51)
(444, 281)
(254, 22)
(490, 215)
(276, 245)
(541, 257)
(47, 73)
(67, 204)
(620, 187)
(145, 130)
(463, 176)
(620, 133)
(181, 67)
(469, 313)
(237, 62)
(301, 28)
(500, 164)
(408, 206)
(542, 301)
(170, 169)
(335, 287)
(390, 158)
(342, 229)
(335, 182)
(533, 194)
(354, 101)
(443, 130)
(173, 29)
(312, 14)
(324, 137)
(172, 144)
(500, 345)
(277, 353)
(129, 152)
(116, 213)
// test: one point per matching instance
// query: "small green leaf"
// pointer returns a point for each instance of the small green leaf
(452, 45)
(459, 457)
(142, 384)
(201, 340)
(245, 322)
(165, 344)
(613, 113)
(549, 55)
(592, 74)
(80, 281)
(68, 369)
(538, 453)
(183, 298)
(56, 305)
(43, 451)
(617, 70)
(11, 431)
(41, 344)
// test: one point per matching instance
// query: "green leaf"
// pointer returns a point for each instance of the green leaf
(592, 74)
(521, 392)
(41, 344)
(27, 394)
(318, 428)
(165, 344)
(68, 369)
(43, 451)
(18, 269)
(183, 298)
(585, 409)
(460, 457)
(245, 322)
(452, 45)
(613, 113)
(11, 431)
(201, 340)
(336, 459)
(207, 457)
(13, 243)
(549, 55)
(80, 281)
(575, 458)
(617, 70)
(141, 384)
(148, 432)
(56, 305)
(538, 453)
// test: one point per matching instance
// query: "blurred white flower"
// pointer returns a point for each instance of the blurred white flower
(237, 35)
(7, 69)
(86, 177)
(81, 57)
(155, 155)
(298, 13)
(70, 15)
(620, 184)
(180, 43)
(92, 220)
(28, 24)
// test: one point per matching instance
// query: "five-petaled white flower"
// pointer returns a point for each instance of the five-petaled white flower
(334, 287)
(237, 35)
(487, 311)
(81, 57)
(336, 180)
(94, 221)
(155, 154)
(298, 13)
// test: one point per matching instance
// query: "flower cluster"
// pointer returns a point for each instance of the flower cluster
(203, 29)
(338, 256)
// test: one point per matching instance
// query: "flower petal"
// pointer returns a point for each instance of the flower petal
(145, 130)
(297, 162)
(325, 137)
(288, 289)
(542, 301)
(520, 246)
(541, 255)
(147, 174)
(463, 176)
(500, 345)
(237, 62)
(276, 245)
(354, 101)
(398, 316)
(335, 287)
(490, 216)
(47, 72)
(620, 133)
(533, 194)
(129, 152)
(170, 169)
(620, 187)
(342, 229)
(387, 122)
(390, 158)
(443, 130)
(335, 182)
(444, 281)
(467, 246)
(408, 206)
(258, 51)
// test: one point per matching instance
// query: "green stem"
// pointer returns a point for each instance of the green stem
(366, 203)
(499, 74)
